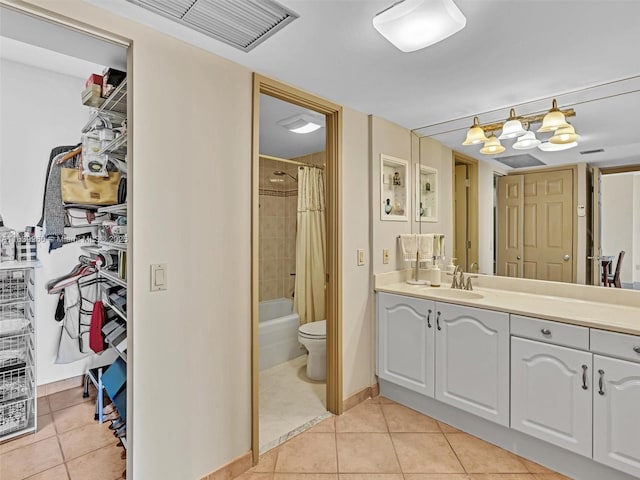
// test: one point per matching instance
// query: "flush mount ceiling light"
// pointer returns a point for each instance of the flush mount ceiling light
(492, 147)
(414, 24)
(553, 121)
(556, 147)
(526, 141)
(475, 134)
(512, 127)
(303, 123)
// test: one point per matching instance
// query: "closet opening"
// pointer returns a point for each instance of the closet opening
(296, 364)
(65, 334)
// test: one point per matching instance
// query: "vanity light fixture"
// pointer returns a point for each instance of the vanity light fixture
(475, 134)
(303, 123)
(492, 147)
(526, 141)
(556, 147)
(414, 24)
(512, 127)
(553, 121)
(565, 135)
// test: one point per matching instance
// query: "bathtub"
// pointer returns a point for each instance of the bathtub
(278, 332)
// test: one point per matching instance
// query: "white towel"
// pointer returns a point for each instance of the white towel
(409, 246)
(425, 246)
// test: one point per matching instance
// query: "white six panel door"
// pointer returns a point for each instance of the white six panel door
(472, 360)
(616, 414)
(405, 342)
(551, 394)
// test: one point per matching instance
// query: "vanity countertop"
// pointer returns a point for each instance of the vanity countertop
(616, 317)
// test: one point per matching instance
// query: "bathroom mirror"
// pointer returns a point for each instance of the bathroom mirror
(426, 197)
(394, 189)
(600, 145)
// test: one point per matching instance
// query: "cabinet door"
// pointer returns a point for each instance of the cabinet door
(472, 360)
(616, 418)
(551, 394)
(405, 342)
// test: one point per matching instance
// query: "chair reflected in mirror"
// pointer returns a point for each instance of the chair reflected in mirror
(612, 279)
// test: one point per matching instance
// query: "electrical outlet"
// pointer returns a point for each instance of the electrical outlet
(385, 255)
(360, 257)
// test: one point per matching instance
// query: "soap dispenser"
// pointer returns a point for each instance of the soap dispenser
(435, 275)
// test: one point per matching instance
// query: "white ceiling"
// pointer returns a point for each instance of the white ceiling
(511, 52)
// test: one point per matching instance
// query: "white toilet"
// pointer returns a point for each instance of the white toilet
(313, 336)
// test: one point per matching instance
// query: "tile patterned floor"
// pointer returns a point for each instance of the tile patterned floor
(382, 440)
(288, 401)
(69, 444)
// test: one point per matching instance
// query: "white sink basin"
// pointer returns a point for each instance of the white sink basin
(460, 294)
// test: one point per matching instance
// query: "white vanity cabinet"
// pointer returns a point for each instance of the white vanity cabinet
(406, 342)
(472, 360)
(616, 404)
(551, 393)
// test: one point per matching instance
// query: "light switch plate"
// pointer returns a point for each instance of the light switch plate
(360, 257)
(385, 255)
(158, 277)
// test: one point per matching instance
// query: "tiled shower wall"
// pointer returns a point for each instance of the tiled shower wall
(278, 211)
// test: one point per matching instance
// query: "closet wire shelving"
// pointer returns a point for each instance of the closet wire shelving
(17, 352)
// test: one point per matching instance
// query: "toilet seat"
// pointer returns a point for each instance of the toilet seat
(314, 330)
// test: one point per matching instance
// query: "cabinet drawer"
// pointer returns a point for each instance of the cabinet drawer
(614, 344)
(550, 332)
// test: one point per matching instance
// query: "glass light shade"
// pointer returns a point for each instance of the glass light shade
(512, 129)
(492, 146)
(527, 141)
(475, 135)
(553, 120)
(302, 123)
(565, 135)
(556, 147)
(414, 24)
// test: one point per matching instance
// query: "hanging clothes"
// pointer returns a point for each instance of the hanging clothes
(96, 340)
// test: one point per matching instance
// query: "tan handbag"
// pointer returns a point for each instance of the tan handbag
(89, 189)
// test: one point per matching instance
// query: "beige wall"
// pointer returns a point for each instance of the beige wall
(191, 204)
(357, 285)
(389, 139)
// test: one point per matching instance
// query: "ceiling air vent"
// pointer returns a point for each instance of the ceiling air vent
(520, 161)
(589, 152)
(240, 23)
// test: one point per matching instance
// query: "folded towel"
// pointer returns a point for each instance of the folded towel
(425, 246)
(409, 246)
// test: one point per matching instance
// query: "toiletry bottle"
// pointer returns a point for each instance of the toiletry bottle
(435, 276)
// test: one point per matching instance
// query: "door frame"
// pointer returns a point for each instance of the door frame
(472, 204)
(333, 113)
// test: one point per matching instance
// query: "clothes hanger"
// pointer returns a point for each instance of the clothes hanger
(69, 155)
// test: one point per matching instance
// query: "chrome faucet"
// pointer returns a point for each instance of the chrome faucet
(458, 278)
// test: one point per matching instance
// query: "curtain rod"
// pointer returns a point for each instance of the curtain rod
(295, 162)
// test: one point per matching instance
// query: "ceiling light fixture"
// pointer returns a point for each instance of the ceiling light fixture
(475, 134)
(492, 147)
(303, 123)
(414, 24)
(553, 121)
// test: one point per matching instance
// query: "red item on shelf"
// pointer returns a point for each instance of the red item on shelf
(96, 341)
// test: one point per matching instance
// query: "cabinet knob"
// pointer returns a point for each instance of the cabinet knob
(636, 349)
(518, 257)
(545, 331)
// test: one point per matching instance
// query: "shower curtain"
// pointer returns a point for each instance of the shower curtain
(310, 246)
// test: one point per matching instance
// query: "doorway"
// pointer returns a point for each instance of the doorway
(614, 220)
(536, 225)
(332, 117)
(465, 212)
